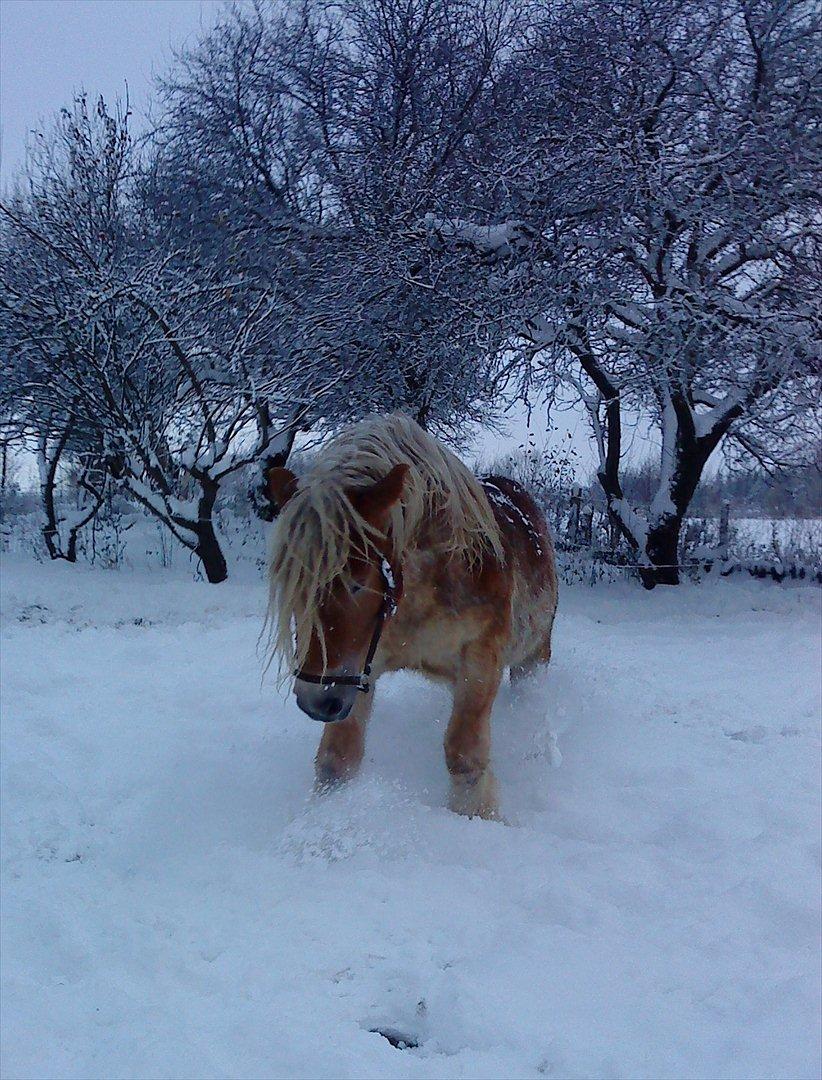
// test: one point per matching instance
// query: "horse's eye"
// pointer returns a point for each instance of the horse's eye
(355, 589)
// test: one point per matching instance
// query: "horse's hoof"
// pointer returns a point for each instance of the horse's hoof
(476, 798)
(327, 779)
(485, 813)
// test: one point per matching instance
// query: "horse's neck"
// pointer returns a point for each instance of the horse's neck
(430, 535)
(425, 556)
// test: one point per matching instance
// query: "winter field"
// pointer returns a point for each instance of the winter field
(177, 904)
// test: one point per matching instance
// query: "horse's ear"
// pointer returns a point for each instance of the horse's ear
(281, 485)
(374, 501)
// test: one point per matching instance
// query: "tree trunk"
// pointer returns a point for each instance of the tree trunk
(689, 455)
(48, 473)
(71, 547)
(197, 535)
(51, 535)
(63, 545)
(208, 547)
(210, 554)
(52, 539)
(282, 445)
(51, 529)
(662, 548)
(4, 472)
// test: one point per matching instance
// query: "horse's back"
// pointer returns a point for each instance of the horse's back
(530, 560)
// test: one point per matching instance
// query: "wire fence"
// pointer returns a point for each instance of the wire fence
(590, 548)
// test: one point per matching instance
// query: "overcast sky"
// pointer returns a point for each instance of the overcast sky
(50, 49)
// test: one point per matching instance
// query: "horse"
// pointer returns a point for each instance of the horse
(391, 554)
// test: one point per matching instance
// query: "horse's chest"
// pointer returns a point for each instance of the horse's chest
(432, 648)
(439, 614)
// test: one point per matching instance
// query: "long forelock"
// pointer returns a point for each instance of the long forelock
(319, 530)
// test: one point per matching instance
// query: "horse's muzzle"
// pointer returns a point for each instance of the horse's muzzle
(325, 703)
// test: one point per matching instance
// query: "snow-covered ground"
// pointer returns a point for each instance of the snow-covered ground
(176, 904)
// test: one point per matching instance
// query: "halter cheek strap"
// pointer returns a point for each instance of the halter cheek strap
(388, 608)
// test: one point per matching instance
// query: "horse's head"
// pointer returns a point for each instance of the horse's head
(337, 638)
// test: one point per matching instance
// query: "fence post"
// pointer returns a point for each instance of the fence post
(576, 504)
(724, 530)
(613, 533)
(587, 527)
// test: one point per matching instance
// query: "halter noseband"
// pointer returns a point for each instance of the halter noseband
(388, 608)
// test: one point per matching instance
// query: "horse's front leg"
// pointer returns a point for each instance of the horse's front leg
(342, 744)
(468, 738)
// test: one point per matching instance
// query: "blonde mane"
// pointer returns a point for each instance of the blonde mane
(319, 530)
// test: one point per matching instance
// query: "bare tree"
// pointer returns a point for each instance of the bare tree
(666, 167)
(310, 142)
(146, 355)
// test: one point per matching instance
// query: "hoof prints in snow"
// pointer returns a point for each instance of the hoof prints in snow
(398, 1039)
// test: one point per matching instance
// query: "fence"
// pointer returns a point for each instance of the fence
(589, 546)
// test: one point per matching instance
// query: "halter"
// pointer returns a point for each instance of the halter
(388, 608)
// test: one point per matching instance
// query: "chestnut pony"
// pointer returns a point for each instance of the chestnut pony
(391, 554)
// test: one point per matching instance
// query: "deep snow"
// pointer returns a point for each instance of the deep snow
(175, 904)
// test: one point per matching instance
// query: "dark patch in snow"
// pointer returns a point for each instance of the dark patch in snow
(33, 613)
(400, 1040)
(750, 735)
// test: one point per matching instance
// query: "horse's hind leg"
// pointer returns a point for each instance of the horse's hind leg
(342, 745)
(468, 738)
